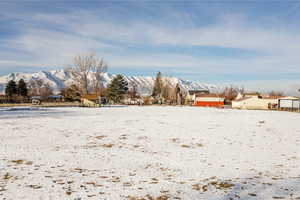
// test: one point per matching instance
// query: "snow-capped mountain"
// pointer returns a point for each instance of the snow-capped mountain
(58, 79)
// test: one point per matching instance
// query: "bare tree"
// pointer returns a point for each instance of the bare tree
(71, 93)
(168, 90)
(38, 87)
(179, 94)
(276, 93)
(84, 67)
(46, 90)
(230, 93)
(132, 92)
(99, 70)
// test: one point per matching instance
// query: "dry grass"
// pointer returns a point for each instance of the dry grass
(115, 179)
(185, 146)
(108, 145)
(149, 197)
(18, 161)
(35, 186)
(46, 104)
(199, 145)
(221, 185)
(7, 176)
(14, 104)
(100, 137)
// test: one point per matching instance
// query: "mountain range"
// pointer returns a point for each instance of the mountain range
(58, 79)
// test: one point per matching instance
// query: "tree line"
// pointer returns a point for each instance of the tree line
(88, 73)
(21, 91)
(16, 89)
(165, 92)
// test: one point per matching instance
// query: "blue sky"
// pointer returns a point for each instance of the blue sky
(251, 43)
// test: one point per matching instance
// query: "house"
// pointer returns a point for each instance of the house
(90, 100)
(289, 103)
(92, 97)
(209, 100)
(256, 102)
(272, 101)
(191, 95)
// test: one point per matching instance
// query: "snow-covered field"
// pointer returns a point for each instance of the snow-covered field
(148, 153)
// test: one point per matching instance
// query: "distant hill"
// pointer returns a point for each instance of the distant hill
(59, 79)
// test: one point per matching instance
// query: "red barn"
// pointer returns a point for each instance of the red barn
(209, 100)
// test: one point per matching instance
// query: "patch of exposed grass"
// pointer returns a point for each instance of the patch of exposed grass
(100, 137)
(108, 145)
(35, 186)
(185, 146)
(7, 176)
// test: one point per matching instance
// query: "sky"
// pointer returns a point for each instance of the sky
(248, 43)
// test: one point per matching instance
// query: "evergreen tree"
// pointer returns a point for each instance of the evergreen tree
(11, 88)
(157, 89)
(22, 88)
(178, 94)
(71, 93)
(117, 88)
(177, 89)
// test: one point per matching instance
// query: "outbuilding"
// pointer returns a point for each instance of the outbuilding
(209, 100)
(36, 100)
(90, 100)
(289, 103)
(256, 102)
(191, 95)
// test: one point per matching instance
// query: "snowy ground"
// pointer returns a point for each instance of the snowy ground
(148, 153)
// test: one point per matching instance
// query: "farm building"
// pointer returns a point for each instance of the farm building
(36, 100)
(90, 100)
(209, 100)
(287, 103)
(191, 95)
(255, 102)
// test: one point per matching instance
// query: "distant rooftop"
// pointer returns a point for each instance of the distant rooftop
(204, 91)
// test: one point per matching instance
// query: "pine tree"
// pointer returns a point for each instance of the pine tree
(177, 89)
(71, 93)
(22, 88)
(178, 94)
(11, 88)
(117, 88)
(157, 89)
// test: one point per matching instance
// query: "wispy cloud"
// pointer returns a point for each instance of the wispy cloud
(53, 38)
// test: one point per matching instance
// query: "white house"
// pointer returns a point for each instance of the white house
(255, 103)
